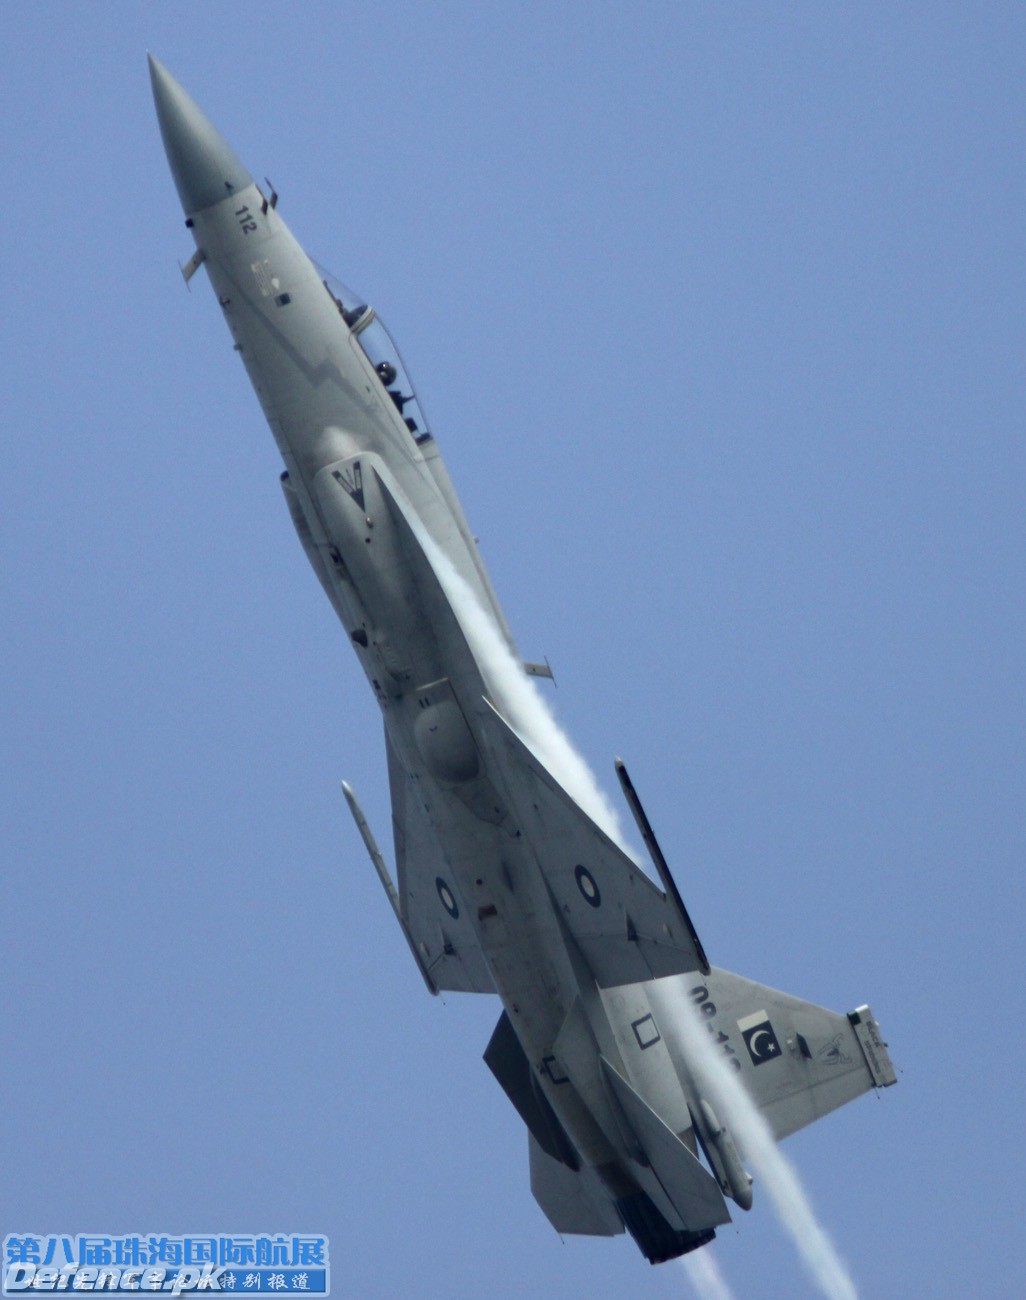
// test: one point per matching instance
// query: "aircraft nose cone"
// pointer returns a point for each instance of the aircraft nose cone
(203, 164)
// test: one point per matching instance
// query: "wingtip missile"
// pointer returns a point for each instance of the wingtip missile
(367, 835)
(656, 853)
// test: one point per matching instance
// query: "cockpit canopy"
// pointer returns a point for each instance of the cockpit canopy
(369, 331)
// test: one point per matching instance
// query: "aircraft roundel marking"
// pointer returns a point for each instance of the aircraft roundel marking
(586, 884)
(448, 902)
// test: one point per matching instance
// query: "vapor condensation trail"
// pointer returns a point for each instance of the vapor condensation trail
(516, 697)
(705, 1276)
(676, 1017)
(519, 701)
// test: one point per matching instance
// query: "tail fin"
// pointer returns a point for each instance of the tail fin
(797, 1060)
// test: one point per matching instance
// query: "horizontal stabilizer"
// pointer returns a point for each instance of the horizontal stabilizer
(688, 1185)
(625, 926)
(574, 1203)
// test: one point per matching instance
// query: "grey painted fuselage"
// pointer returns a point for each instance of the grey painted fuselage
(505, 883)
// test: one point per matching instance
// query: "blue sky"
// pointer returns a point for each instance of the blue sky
(716, 312)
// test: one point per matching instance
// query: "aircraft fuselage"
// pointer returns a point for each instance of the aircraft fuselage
(342, 438)
(527, 895)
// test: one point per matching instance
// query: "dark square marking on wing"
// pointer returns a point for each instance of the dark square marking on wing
(645, 1031)
(552, 1068)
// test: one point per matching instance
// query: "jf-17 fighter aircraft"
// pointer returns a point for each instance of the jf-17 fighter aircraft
(509, 879)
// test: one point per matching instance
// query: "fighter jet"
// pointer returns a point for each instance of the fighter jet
(509, 880)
